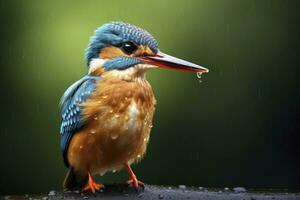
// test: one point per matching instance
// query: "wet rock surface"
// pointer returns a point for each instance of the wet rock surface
(112, 192)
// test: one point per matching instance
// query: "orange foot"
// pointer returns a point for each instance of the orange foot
(132, 178)
(92, 185)
(136, 183)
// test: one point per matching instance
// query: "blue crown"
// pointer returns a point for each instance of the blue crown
(115, 33)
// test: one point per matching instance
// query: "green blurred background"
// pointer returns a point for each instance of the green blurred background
(238, 127)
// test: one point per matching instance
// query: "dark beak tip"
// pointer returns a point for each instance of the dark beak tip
(205, 70)
(198, 69)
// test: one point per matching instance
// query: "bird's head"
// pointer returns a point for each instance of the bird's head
(126, 50)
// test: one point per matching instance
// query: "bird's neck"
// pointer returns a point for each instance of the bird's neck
(130, 74)
(134, 73)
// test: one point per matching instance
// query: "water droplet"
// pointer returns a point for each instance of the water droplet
(239, 189)
(95, 118)
(139, 156)
(93, 131)
(145, 139)
(52, 193)
(114, 171)
(111, 111)
(114, 136)
(199, 76)
(117, 116)
(81, 147)
(182, 187)
(150, 126)
(104, 97)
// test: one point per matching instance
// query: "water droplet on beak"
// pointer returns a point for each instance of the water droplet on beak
(199, 76)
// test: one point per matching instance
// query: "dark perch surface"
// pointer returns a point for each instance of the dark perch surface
(155, 192)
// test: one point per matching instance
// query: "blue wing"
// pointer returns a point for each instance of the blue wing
(76, 94)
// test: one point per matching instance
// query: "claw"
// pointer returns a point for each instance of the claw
(132, 178)
(92, 185)
(136, 183)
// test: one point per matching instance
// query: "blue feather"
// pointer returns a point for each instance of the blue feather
(77, 93)
(120, 63)
(115, 33)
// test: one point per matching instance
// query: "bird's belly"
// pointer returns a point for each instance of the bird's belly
(112, 138)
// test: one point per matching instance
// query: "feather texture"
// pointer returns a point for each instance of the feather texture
(72, 120)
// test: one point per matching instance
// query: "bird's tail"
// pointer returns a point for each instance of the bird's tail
(74, 180)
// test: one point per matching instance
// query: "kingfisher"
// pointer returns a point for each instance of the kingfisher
(107, 114)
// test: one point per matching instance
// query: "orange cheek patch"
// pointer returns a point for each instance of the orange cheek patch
(143, 50)
(111, 52)
(148, 51)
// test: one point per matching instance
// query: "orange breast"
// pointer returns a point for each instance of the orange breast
(118, 123)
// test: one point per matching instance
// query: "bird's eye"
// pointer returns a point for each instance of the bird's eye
(128, 48)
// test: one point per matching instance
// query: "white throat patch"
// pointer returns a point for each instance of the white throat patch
(96, 63)
(130, 73)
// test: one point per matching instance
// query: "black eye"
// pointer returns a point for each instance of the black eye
(128, 48)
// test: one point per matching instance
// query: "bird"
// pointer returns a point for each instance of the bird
(106, 116)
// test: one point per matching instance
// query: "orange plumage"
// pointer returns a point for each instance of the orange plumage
(118, 118)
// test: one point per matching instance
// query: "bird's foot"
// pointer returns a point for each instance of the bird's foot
(132, 178)
(92, 185)
(135, 182)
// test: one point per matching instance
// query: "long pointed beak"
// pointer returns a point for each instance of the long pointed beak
(166, 61)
